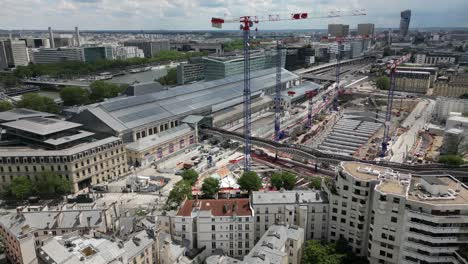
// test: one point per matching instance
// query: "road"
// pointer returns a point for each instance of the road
(414, 123)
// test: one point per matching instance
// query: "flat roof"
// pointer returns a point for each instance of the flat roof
(461, 198)
(220, 207)
(352, 168)
(392, 186)
(288, 197)
(41, 126)
(20, 113)
(156, 139)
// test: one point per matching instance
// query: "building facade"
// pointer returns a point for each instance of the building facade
(52, 145)
(413, 81)
(92, 54)
(123, 53)
(190, 72)
(338, 30)
(43, 56)
(435, 59)
(13, 53)
(224, 224)
(444, 106)
(365, 30)
(150, 48)
(405, 22)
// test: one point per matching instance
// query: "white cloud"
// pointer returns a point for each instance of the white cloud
(196, 14)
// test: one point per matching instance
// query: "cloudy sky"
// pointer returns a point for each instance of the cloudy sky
(196, 14)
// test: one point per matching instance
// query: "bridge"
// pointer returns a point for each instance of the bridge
(308, 153)
(57, 83)
(329, 65)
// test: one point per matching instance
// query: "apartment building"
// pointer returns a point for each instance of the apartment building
(23, 232)
(392, 217)
(150, 47)
(224, 224)
(280, 244)
(74, 248)
(33, 144)
(413, 81)
(13, 53)
(54, 55)
(435, 59)
(307, 209)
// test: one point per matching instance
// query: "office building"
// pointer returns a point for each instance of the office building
(405, 22)
(150, 48)
(444, 106)
(208, 47)
(64, 41)
(73, 248)
(365, 30)
(307, 209)
(223, 224)
(190, 72)
(13, 53)
(123, 53)
(24, 231)
(413, 81)
(92, 54)
(393, 217)
(49, 144)
(338, 30)
(229, 64)
(43, 56)
(35, 43)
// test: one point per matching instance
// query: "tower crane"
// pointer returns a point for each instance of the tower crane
(310, 96)
(391, 70)
(246, 25)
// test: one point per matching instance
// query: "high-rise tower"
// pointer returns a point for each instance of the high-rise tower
(405, 22)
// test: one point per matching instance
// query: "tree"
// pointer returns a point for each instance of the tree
(5, 106)
(101, 90)
(170, 78)
(317, 253)
(210, 186)
(249, 181)
(50, 184)
(73, 95)
(181, 190)
(464, 96)
(190, 176)
(383, 83)
(387, 51)
(454, 160)
(21, 187)
(39, 103)
(315, 183)
(284, 180)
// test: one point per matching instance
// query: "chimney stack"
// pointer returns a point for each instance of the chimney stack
(51, 36)
(77, 36)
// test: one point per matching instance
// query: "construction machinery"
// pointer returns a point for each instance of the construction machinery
(247, 24)
(391, 70)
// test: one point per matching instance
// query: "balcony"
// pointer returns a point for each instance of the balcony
(431, 249)
(430, 259)
(441, 230)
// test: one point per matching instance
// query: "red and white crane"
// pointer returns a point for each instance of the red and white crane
(391, 70)
(247, 24)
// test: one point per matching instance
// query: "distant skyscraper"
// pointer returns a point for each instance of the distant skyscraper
(338, 30)
(405, 22)
(365, 30)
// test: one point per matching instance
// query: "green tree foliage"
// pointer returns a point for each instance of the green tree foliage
(190, 176)
(284, 180)
(51, 185)
(73, 95)
(5, 106)
(316, 252)
(210, 186)
(236, 44)
(101, 90)
(181, 190)
(387, 51)
(454, 160)
(39, 103)
(249, 181)
(21, 187)
(69, 69)
(170, 78)
(315, 183)
(9, 80)
(383, 83)
(464, 96)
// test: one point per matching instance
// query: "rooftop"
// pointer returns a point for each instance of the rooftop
(357, 170)
(416, 193)
(156, 139)
(20, 113)
(221, 207)
(125, 113)
(288, 197)
(41, 125)
(392, 187)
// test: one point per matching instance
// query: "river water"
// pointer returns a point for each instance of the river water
(147, 76)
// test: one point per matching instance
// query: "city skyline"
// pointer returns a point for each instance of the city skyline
(195, 15)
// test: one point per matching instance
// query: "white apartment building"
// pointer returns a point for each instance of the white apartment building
(123, 53)
(307, 209)
(224, 224)
(445, 105)
(399, 218)
(280, 244)
(434, 59)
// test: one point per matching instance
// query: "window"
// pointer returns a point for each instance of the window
(394, 219)
(247, 244)
(239, 244)
(382, 253)
(213, 228)
(247, 227)
(213, 236)
(239, 227)
(213, 244)
(396, 200)
(181, 143)
(183, 228)
(171, 147)
(345, 187)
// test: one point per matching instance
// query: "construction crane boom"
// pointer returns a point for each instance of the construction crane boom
(246, 25)
(391, 68)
